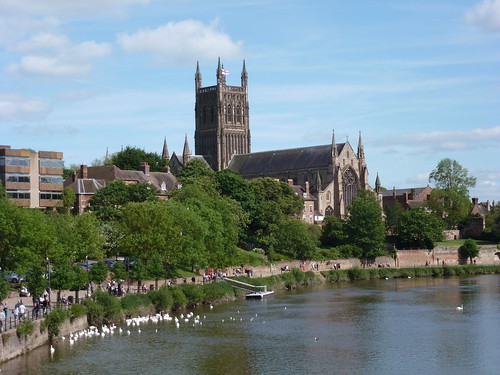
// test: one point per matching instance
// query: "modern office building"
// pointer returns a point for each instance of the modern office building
(32, 179)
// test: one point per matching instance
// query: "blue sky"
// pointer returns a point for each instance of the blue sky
(419, 79)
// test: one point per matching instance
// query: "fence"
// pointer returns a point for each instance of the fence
(12, 321)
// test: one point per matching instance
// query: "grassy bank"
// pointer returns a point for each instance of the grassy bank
(104, 308)
(382, 273)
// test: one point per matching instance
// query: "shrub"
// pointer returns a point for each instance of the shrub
(53, 321)
(132, 303)
(449, 271)
(111, 307)
(77, 310)
(193, 293)
(217, 291)
(95, 312)
(25, 327)
(162, 298)
(179, 299)
(356, 273)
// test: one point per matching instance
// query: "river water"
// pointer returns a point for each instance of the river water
(395, 326)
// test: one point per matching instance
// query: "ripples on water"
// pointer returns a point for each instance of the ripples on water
(408, 326)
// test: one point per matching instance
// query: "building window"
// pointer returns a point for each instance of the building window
(329, 211)
(15, 161)
(229, 113)
(17, 177)
(328, 196)
(51, 179)
(349, 186)
(310, 208)
(17, 194)
(238, 114)
(51, 163)
(51, 195)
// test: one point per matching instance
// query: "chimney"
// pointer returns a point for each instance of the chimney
(394, 192)
(144, 168)
(74, 177)
(84, 171)
(488, 205)
(412, 195)
(307, 188)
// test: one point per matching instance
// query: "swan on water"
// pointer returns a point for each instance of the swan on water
(460, 308)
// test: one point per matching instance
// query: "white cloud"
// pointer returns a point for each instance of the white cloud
(18, 107)
(54, 55)
(452, 140)
(180, 42)
(485, 15)
(64, 7)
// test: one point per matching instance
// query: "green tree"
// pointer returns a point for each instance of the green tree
(109, 201)
(156, 268)
(119, 271)
(37, 282)
(69, 199)
(131, 158)
(450, 206)
(449, 175)
(333, 232)
(419, 229)
(98, 272)
(492, 228)
(469, 249)
(364, 225)
(393, 215)
(294, 241)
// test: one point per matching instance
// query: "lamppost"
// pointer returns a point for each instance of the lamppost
(48, 276)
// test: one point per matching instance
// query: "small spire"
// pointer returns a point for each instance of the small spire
(334, 146)
(361, 150)
(197, 76)
(377, 184)
(221, 78)
(186, 153)
(244, 75)
(106, 158)
(164, 154)
(318, 182)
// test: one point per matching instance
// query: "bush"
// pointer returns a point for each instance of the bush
(349, 251)
(162, 298)
(77, 310)
(217, 291)
(193, 293)
(111, 307)
(132, 303)
(53, 321)
(356, 273)
(179, 299)
(95, 312)
(25, 327)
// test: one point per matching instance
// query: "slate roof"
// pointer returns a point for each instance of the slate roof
(86, 186)
(390, 193)
(266, 162)
(112, 172)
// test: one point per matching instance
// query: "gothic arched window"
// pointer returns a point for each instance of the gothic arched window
(349, 186)
(329, 211)
(328, 196)
(238, 114)
(229, 113)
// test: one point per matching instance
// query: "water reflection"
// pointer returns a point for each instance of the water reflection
(366, 327)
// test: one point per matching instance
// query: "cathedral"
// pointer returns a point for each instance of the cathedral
(328, 175)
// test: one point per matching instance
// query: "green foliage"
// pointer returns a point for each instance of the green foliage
(162, 298)
(217, 291)
(469, 249)
(393, 215)
(349, 251)
(95, 312)
(119, 271)
(133, 303)
(356, 273)
(450, 206)
(69, 199)
(37, 283)
(4, 288)
(333, 233)
(293, 240)
(25, 327)
(364, 225)
(77, 310)
(53, 322)
(419, 229)
(108, 202)
(193, 293)
(131, 158)
(98, 272)
(253, 258)
(179, 299)
(112, 310)
(449, 175)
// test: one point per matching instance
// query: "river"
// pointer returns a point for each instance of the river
(395, 326)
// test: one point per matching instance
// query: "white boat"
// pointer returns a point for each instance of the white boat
(260, 295)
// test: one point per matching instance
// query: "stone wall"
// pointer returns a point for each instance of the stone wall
(12, 346)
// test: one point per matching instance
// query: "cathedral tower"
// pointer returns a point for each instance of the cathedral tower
(222, 119)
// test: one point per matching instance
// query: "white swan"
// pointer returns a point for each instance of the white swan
(52, 350)
(460, 308)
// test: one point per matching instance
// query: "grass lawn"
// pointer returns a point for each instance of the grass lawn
(461, 242)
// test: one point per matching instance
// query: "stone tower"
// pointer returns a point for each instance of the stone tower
(222, 119)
